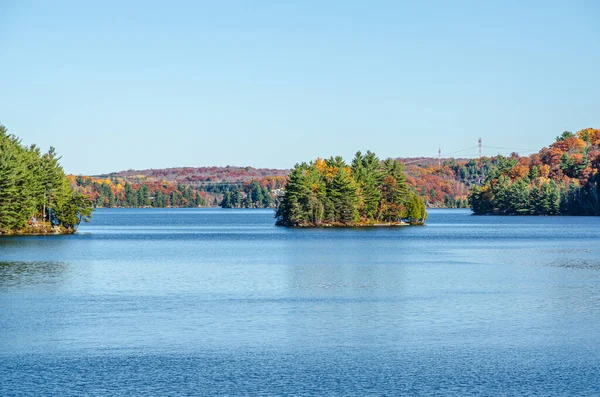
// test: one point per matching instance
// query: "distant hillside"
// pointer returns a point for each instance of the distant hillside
(445, 186)
(196, 175)
(564, 177)
(231, 186)
(428, 161)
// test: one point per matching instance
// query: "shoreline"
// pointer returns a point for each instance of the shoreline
(39, 230)
(352, 225)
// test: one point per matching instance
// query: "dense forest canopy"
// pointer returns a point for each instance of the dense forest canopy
(252, 195)
(139, 190)
(441, 187)
(37, 197)
(35, 193)
(230, 187)
(446, 186)
(561, 179)
(197, 175)
(331, 192)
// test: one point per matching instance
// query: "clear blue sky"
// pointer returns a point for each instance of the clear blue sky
(116, 85)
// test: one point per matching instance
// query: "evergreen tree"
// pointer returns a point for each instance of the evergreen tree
(256, 192)
(34, 189)
(130, 196)
(226, 201)
(367, 172)
(160, 200)
(394, 191)
(343, 195)
(416, 211)
(330, 192)
(174, 199)
(143, 196)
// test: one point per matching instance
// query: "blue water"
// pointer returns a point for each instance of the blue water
(222, 302)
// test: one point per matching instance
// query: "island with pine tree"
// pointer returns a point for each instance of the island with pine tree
(36, 197)
(368, 192)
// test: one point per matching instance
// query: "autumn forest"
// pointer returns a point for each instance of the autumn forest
(562, 178)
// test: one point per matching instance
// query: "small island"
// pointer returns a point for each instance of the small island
(36, 197)
(331, 193)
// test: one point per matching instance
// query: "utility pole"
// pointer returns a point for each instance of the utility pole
(479, 144)
(439, 156)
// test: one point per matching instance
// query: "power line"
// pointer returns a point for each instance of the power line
(505, 148)
(463, 150)
(520, 153)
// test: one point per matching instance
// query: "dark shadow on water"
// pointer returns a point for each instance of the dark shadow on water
(13, 274)
(573, 263)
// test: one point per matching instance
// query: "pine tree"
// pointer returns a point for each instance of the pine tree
(366, 170)
(130, 196)
(416, 211)
(142, 196)
(32, 186)
(394, 191)
(343, 195)
(330, 192)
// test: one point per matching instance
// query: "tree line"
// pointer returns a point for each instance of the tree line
(252, 195)
(331, 192)
(563, 179)
(113, 192)
(447, 185)
(35, 194)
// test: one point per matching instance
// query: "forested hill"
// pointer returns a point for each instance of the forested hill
(185, 187)
(196, 175)
(248, 187)
(446, 185)
(563, 178)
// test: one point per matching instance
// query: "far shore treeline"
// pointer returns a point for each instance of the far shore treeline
(141, 191)
(366, 192)
(563, 179)
(559, 179)
(36, 196)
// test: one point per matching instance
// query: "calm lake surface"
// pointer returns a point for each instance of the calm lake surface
(222, 302)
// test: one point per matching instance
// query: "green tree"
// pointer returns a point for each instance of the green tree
(330, 192)
(143, 196)
(416, 210)
(342, 193)
(34, 187)
(368, 174)
(256, 192)
(130, 196)
(394, 191)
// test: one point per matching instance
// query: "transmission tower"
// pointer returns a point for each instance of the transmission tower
(479, 144)
(439, 156)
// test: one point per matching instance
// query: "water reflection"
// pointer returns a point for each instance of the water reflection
(575, 263)
(154, 298)
(14, 274)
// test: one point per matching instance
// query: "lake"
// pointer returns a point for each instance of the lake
(222, 302)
